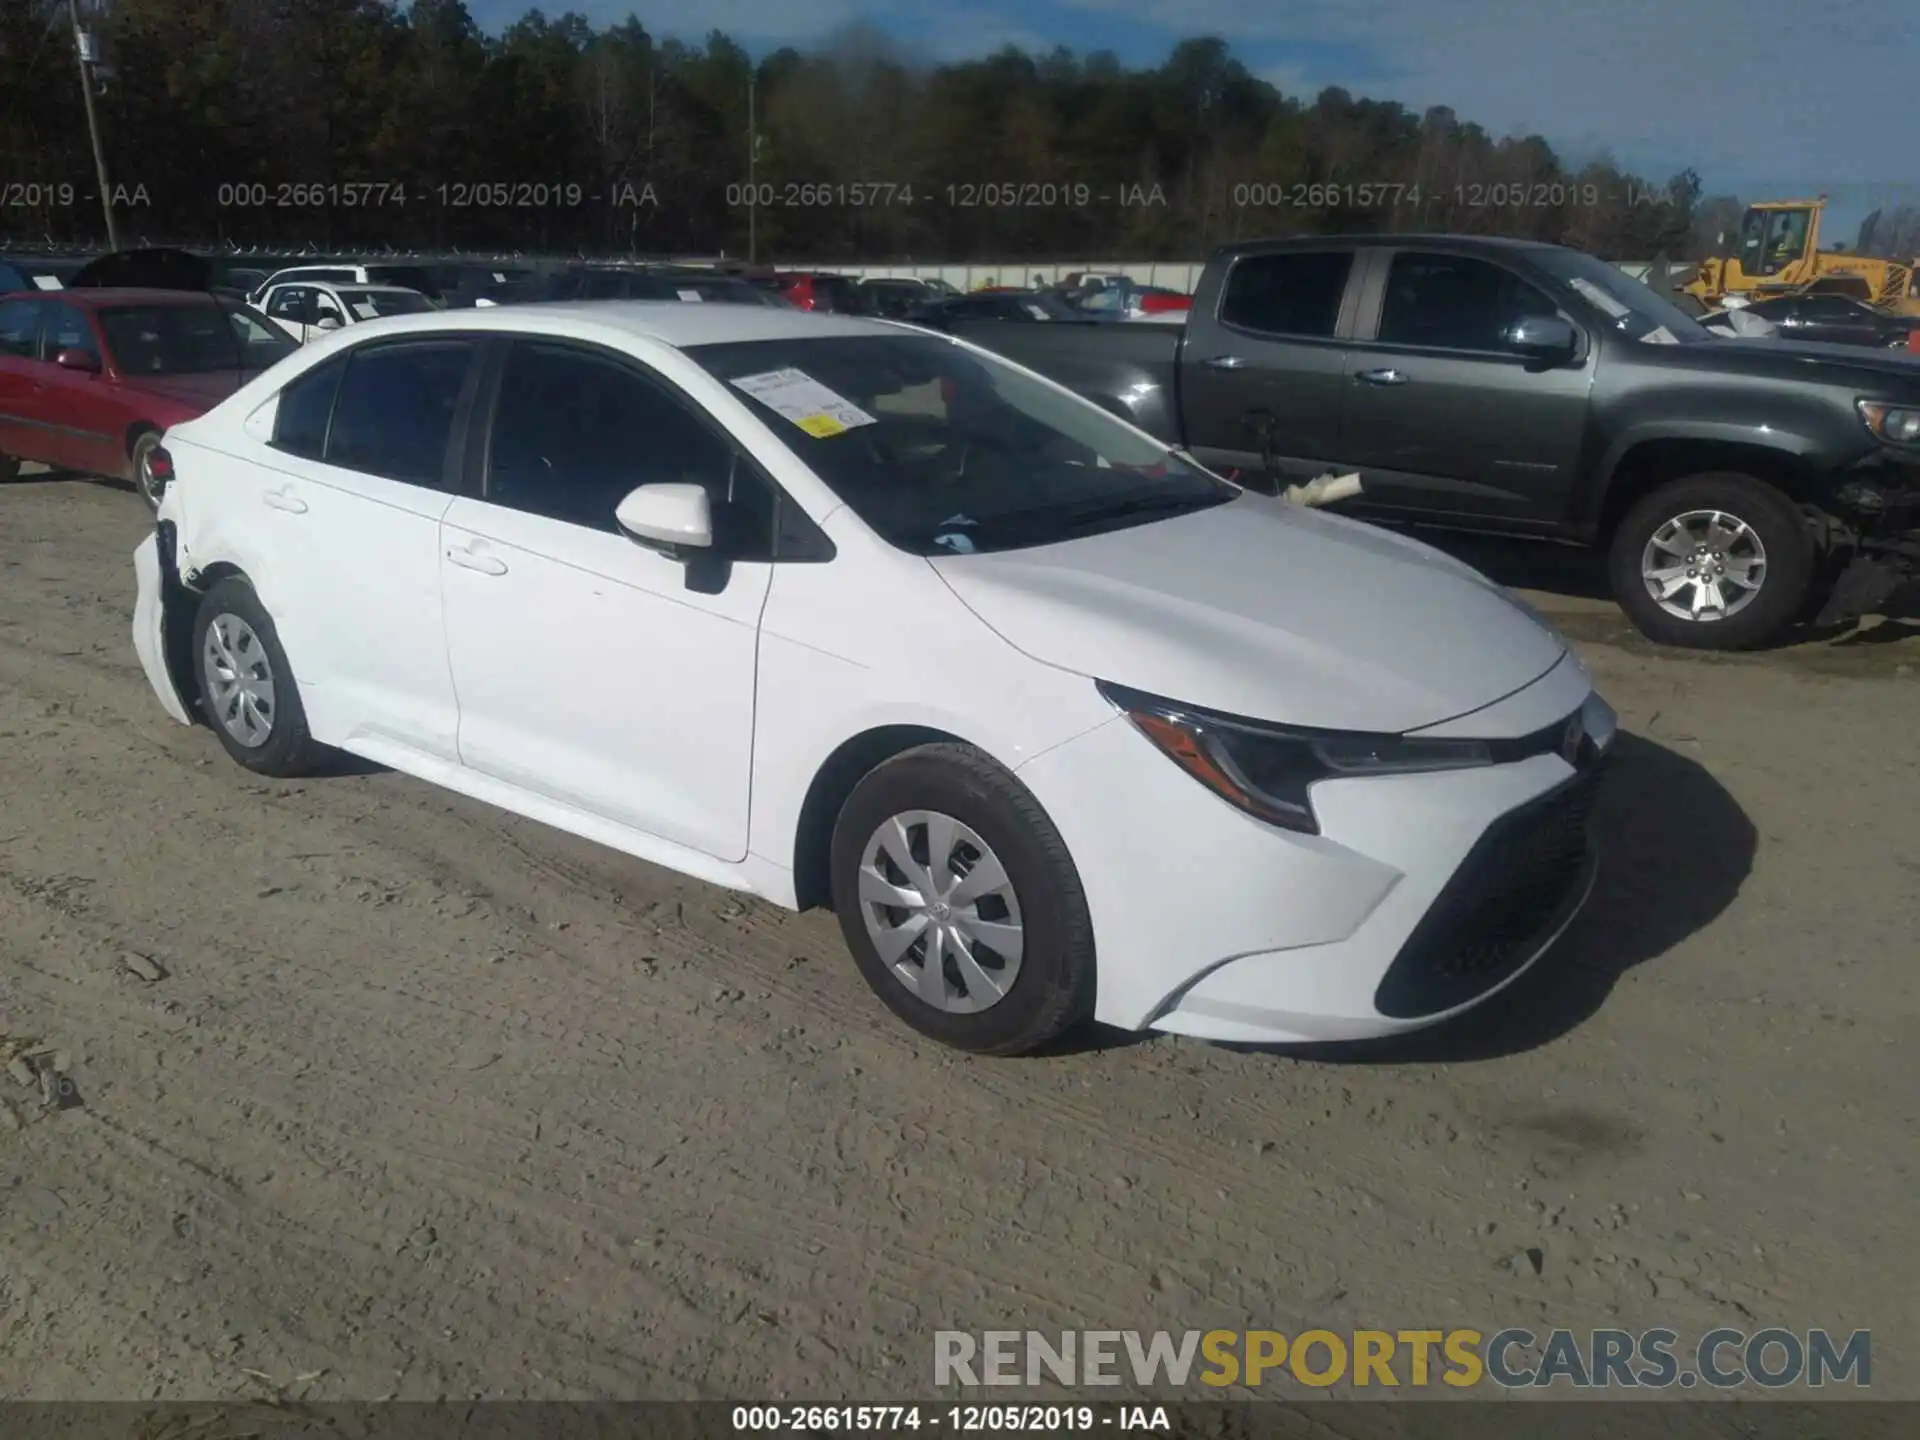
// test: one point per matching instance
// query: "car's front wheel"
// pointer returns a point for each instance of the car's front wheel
(960, 903)
(1712, 562)
(247, 690)
(141, 454)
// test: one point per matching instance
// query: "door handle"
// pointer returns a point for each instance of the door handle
(1224, 362)
(282, 500)
(485, 564)
(1382, 377)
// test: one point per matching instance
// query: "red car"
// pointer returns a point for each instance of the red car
(90, 378)
(817, 290)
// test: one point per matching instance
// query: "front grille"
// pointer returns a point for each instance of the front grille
(1510, 893)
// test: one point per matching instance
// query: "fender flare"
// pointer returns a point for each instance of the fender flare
(1591, 501)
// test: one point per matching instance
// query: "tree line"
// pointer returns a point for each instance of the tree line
(362, 123)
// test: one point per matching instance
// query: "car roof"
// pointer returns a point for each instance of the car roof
(95, 297)
(363, 287)
(1430, 240)
(666, 322)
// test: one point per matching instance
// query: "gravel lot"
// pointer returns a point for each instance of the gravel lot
(435, 1101)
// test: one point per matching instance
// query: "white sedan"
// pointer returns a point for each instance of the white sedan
(835, 611)
(312, 308)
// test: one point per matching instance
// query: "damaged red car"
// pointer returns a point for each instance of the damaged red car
(91, 378)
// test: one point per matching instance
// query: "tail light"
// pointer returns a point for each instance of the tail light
(801, 294)
(1913, 341)
(1161, 304)
(159, 472)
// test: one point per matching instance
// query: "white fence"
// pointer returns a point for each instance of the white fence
(1181, 275)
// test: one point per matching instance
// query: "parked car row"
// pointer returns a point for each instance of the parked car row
(1163, 752)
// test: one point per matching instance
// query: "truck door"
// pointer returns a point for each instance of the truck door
(1440, 416)
(1261, 375)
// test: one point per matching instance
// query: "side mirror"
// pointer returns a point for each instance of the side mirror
(327, 322)
(670, 518)
(84, 361)
(1543, 337)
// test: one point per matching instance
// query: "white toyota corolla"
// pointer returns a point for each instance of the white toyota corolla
(839, 612)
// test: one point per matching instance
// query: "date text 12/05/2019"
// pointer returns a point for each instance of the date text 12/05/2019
(454, 195)
(1389, 195)
(960, 195)
(998, 1419)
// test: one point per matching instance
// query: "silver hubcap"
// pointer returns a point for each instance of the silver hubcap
(1704, 565)
(239, 680)
(941, 911)
(143, 469)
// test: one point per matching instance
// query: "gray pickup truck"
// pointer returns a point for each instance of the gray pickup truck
(1532, 390)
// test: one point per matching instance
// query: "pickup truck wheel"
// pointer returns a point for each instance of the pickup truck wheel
(960, 903)
(1712, 562)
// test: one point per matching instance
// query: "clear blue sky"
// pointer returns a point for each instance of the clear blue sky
(1765, 98)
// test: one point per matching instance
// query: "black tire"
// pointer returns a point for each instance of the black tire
(1053, 987)
(286, 747)
(1784, 582)
(9, 468)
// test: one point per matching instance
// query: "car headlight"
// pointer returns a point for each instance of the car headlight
(1267, 770)
(1896, 424)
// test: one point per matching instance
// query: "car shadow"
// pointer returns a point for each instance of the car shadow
(1675, 848)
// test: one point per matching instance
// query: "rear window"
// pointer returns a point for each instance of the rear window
(412, 277)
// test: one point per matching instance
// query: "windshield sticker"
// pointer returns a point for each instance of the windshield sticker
(364, 310)
(1614, 308)
(692, 295)
(1660, 336)
(797, 396)
(958, 544)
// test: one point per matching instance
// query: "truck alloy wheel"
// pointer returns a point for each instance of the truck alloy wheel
(1718, 561)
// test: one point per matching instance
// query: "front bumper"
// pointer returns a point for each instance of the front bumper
(151, 618)
(1423, 895)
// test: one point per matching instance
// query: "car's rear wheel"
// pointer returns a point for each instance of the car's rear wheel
(960, 903)
(141, 454)
(1718, 561)
(9, 468)
(247, 689)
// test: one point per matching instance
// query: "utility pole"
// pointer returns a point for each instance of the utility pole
(82, 51)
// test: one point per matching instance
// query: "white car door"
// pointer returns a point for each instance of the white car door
(356, 478)
(590, 669)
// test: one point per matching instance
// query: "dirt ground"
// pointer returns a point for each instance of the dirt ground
(432, 1101)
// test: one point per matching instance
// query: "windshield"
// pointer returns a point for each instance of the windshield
(192, 339)
(944, 451)
(408, 277)
(372, 304)
(1635, 310)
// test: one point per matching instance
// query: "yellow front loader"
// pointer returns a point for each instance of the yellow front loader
(1779, 252)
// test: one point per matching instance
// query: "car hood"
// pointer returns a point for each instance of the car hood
(202, 391)
(1807, 361)
(1264, 609)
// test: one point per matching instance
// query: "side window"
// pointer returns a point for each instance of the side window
(19, 328)
(1454, 302)
(64, 328)
(394, 412)
(322, 305)
(289, 303)
(300, 419)
(1293, 293)
(574, 432)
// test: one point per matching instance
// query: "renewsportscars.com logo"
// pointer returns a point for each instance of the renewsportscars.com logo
(1512, 1359)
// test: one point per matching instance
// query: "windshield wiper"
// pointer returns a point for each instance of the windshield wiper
(1133, 507)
